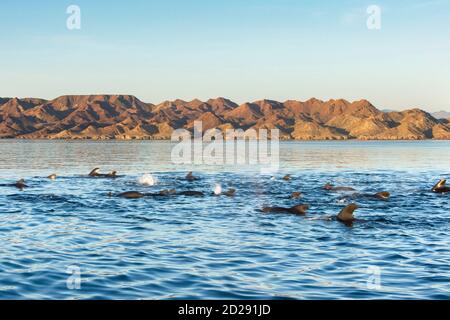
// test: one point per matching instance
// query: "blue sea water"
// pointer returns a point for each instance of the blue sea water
(221, 247)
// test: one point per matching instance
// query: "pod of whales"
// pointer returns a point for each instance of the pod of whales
(346, 215)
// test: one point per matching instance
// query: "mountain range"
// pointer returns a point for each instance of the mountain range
(126, 117)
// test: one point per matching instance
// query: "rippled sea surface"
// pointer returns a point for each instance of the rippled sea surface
(220, 247)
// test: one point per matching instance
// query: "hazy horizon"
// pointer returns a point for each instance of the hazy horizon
(264, 49)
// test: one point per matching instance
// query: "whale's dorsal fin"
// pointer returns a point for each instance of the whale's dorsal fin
(94, 172)
(440, 184)
(346, 214)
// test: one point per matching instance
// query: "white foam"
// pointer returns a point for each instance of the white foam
(218, 189)
(148, 180)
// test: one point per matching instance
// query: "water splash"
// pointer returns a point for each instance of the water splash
(148, 180)
(218, 189)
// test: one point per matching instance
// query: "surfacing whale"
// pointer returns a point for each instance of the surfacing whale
(190, 177)
(191, 193)
(138, 195)
(298, 210)
(96, 174)
(440, 187)
(383, 195)
(295, 195)
(163, 193)
(130, 195)
(230, 193)
(346, 215)
(20, 184)
(330, 187)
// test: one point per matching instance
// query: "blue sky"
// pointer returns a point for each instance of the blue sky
(241, 49)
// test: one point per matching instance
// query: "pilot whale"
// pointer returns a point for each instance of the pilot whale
(191, 193)
(96, 174)
(230, 193)
(163, 193)
(20, 184)
(383, 195)
(190, 177)
(346, 214)
(131, 195)
(330, 187)
(440, 187)
(295, 195)
(298, 210)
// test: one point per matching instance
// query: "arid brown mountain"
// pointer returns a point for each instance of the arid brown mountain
(126, 117)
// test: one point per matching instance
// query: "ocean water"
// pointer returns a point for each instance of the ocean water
(67, 239)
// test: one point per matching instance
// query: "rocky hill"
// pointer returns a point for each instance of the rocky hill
(126, 117)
